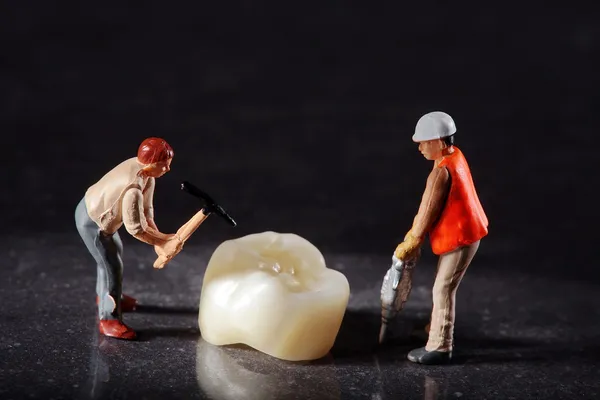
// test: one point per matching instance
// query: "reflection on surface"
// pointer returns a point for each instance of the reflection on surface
(243, 373)
(388, 383)
(431, 389)
(99, 370)
(436, 387)
(106, 353)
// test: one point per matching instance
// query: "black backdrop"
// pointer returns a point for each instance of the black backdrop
(298, 117)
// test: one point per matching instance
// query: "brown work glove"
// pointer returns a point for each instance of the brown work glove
(409, 248)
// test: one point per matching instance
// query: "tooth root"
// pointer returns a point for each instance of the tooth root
(273, 292)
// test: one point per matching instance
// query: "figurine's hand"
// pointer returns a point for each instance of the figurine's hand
(409, 248)
(160, 251)
(171, 236)
(169, 248)
(164, 237)
(173, 245)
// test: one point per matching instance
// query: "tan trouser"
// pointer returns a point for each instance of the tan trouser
(450, 270)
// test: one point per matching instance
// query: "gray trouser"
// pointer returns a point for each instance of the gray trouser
(107, 251)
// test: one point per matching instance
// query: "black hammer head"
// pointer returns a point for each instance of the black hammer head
(210, 205)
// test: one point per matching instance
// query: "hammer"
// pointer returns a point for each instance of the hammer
(186, 230)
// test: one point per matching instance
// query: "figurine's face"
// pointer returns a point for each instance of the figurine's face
(432, 149)
(158, 169)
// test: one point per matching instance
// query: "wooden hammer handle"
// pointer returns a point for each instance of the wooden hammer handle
(183, 234)
(190, 227)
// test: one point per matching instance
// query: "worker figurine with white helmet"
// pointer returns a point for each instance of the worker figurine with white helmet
(450, 212)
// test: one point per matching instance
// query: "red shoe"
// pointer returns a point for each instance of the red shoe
(128, 303)
(117, 329)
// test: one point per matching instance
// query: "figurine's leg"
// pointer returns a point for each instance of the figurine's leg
(106, 250)
(91, 235)
(451, 268)
(110, 249)
(100, 278)
(88, 231)
(117, 288)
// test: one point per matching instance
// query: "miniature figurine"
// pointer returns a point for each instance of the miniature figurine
(450, 212)
(123, 197)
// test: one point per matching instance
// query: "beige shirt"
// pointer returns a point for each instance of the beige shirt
(122, 197)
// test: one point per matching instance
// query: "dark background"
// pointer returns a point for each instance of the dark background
(298, 117)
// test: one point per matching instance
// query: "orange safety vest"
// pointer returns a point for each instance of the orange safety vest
(462, 221)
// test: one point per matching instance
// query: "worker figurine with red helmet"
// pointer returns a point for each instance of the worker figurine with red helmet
(122, 197)
(450, 212)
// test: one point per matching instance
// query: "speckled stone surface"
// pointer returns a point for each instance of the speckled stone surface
(518, 336)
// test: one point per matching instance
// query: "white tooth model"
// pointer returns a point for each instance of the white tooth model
(272, 292)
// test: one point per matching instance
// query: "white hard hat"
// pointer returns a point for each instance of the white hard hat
(434, 125)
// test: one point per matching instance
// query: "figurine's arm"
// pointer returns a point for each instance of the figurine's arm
(432, 203)
(135, 221)
(149, 203)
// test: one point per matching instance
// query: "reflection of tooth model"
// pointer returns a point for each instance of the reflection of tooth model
(227, 373)
(272, 292)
